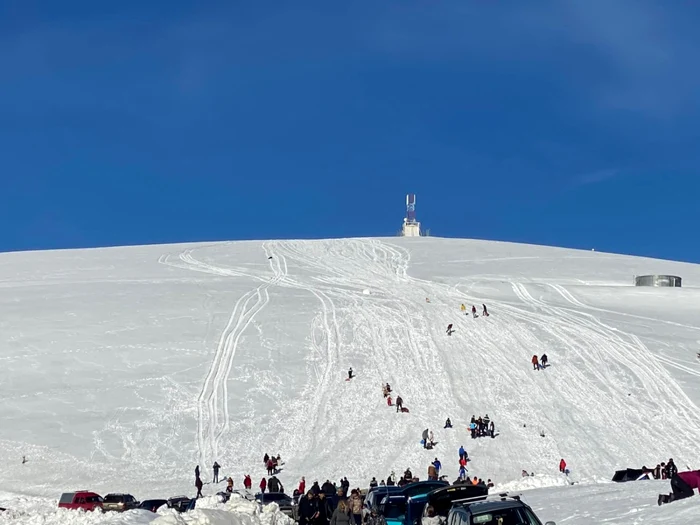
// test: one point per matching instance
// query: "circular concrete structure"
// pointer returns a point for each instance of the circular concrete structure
(658, 280)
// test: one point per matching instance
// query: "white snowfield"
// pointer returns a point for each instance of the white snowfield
(123, 368)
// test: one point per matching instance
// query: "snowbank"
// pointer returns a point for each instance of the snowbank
(209, 511)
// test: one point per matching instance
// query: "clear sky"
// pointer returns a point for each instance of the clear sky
(570, 123)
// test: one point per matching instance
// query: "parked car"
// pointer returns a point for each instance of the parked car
(284, 501)
(181, 503)
(153, 504)
(118, 502)
(442, 499)
(502, 509)
(80, 499)
(375, 495)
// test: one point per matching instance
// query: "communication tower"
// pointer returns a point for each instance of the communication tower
(411, 227)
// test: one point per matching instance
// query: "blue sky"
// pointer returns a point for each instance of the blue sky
(571, 123)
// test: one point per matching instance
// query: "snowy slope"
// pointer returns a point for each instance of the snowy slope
(125, 367)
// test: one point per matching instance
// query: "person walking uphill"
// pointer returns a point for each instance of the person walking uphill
(216, 468)
(682, 485)
(535, 363)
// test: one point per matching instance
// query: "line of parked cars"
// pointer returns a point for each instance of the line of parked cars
(117, 502)
(462, 504)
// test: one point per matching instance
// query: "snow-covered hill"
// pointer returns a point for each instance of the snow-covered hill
(123, 368)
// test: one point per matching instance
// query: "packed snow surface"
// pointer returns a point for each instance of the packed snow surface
(123, 368)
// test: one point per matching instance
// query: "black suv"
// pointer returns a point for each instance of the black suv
(285, 503)
(119, 502)
(501, 510)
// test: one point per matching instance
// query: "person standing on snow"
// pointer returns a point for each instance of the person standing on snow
(248, 482)
(448, 423)
(431, 438)
(562, 466)
(437, 465)
(350, 373)
(463, 473)
(474, 311)
(432, 473)
(302, 485)
(263, 485)
(463, 308)
(449, 329)
(399, 404)
(216, 468)
(198, 483)
(229, 485)
(670, 469)
(462, 453)
(535, 363)
(196, 472)
(485, 312)
(543, 360)
(425, 438)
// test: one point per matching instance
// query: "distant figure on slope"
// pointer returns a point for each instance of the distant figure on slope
(263, 485)
(437, 465)
(216, 468)
(449, 329)
(448, 423)
(425, 438)
(474, 312)
(492, 429)
(198, 483)
(247, 482)
(24, 459)
(266, 459)
(432, 473)
(399, 404)
(302, 485)
(682, 485)
(562, 466)
(196, 472)
(427, 300)
(535, 363)
(544, 360)
(463, 308)
(350, 376)
(670, 469)
(229, 485)
(485, 312)
(431, 439)
(463, 473)
(388, 400)
(373, 483)
(463, 453)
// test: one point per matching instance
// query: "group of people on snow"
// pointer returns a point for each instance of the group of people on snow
(272, 464)
(539, 363)
(482, 427)
(484, 312)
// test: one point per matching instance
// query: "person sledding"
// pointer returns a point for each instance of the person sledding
(474, 312)
(449, 329)
(535, 363)
(682, 485)
(485, 312)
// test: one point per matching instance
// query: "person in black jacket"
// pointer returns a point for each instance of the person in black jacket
(308, 509)
(216, 468)
(324, 510)
(670, 469)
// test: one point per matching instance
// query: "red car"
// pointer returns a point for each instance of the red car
(81, 499)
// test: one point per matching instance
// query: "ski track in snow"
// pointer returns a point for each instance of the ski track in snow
(601, 364)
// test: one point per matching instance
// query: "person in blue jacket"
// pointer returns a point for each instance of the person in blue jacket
(462, 453)
(437, 465)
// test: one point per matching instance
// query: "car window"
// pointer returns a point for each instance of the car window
(93, 499)
(533, 519)
(67, 497)
(512, 516)
(112, 499)
(81, 501)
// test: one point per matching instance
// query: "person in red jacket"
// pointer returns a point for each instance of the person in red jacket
(247, 482)
(302, 486)
(562, 466)
(682, 485)
(263, 485)
(535, 363)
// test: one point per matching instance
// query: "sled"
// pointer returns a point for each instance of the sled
(404, 409)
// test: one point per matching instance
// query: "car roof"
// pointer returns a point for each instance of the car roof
(477, 507)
